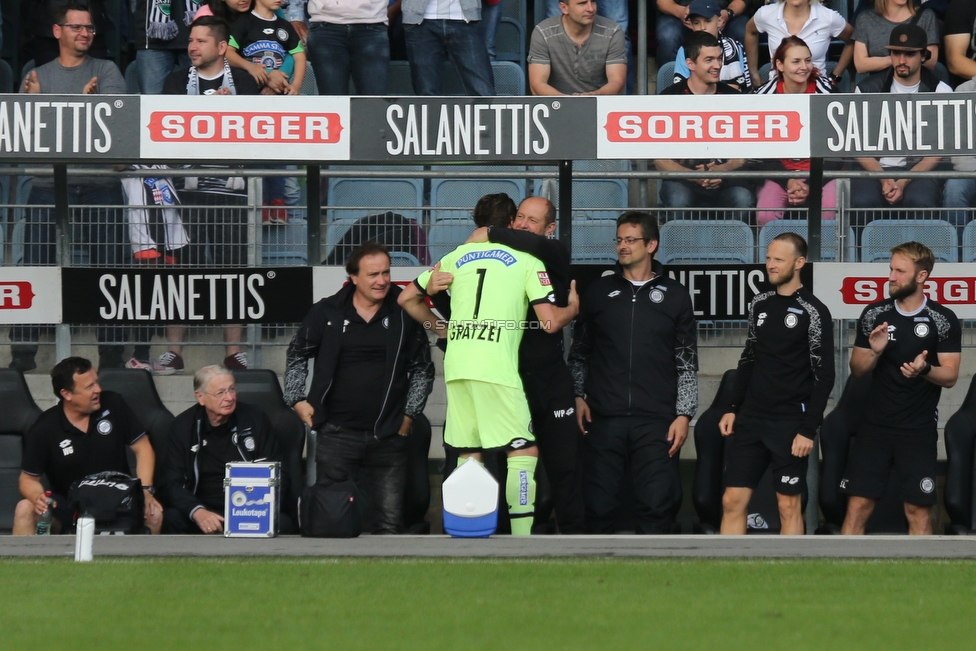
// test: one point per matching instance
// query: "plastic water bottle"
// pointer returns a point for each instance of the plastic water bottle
(44, 521)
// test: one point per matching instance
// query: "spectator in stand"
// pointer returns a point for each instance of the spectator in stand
(438, 29)
(218, 227)
(347, 41)
(269, 48)
(491, 17)
(704, 16)
(160, 37)
(808, 19)
(45, 48)
(959, 195)
(577, 53)
(227, 10)
(617, 12)
(704, 58)
(908, 47)
(98, 229)
(960, 40)
(674, 25)
(873, 27)
(795, 74)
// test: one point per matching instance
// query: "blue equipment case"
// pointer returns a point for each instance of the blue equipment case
(252, 499)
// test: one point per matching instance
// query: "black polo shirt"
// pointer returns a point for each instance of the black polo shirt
(66, 454)
(356, 397)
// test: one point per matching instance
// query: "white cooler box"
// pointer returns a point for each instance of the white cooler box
(252, 499)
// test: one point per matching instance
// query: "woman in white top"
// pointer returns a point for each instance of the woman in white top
(815, 24)
(872, 29)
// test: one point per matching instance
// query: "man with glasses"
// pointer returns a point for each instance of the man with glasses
(97, 228)
(216, 431)
(634, 360)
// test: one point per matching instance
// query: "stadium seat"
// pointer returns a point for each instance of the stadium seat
(828, 234)
(352, 198)
(19, 413)
(969, 242)
(881, 234)
(260, 387)
(960, 443)
(137, 388)
(665, 76)
(687, 241)
(285, 245)
(309, 87)
(509, 79)
(708, 485)
(593, 241)
(836, 432)
(403, 259)
(464, 193)
(132, 79)
(447, 235)
(510, 43)
(6, 77)
(594, 198)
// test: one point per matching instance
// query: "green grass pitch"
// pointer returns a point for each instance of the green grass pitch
(499, 605)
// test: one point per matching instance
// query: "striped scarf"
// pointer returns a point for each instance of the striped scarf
(193, 80)
(159, 19)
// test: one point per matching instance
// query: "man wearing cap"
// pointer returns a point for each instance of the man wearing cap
(908, 49)
(577, 53)
(705, 16)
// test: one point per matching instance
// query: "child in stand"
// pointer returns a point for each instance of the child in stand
(270, 49)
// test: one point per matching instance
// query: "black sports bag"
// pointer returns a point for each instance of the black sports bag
(330, 509)
(114, 499)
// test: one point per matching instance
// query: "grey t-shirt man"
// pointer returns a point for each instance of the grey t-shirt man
(572, 69)
(873, 30)
(55, 79)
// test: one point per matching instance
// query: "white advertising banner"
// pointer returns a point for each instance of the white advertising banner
(718, 126)
(30, 295)
(846, 288)
(241, 129)
(326, 281)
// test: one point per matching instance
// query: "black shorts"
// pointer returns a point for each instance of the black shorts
(913, 455)
(758, 444)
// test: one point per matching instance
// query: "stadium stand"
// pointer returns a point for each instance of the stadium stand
(19, 413)
(828, 237)
(880, 235)
(960, 443)
(686, 241)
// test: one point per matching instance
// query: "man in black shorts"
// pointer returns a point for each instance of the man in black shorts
(86, 432)
(784, 378)
(910, 345)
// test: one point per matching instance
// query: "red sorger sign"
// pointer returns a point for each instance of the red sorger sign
(244, 127)
(16, 295)
(695, 126)
(947, 291)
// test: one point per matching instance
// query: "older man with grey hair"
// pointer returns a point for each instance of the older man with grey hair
(216, 431)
